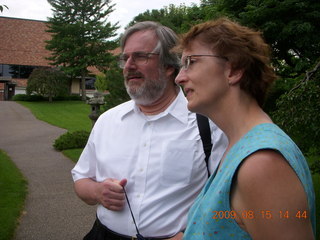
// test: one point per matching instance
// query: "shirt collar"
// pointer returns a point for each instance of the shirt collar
(177, 109)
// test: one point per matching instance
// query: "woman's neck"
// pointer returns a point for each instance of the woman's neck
(238, 119)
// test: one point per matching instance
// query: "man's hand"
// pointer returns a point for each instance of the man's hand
(110, 194)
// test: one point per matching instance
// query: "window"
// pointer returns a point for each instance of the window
(16, 71)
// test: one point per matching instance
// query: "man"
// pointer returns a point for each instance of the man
(150, 146)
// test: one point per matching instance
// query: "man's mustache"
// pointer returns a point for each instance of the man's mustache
(134, 74)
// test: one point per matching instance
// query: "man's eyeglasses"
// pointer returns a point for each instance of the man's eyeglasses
(139, 58)
(187, 61)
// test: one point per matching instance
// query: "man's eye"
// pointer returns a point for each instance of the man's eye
(124, 58)
(140, 56)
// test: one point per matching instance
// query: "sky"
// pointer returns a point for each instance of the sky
(124, 10)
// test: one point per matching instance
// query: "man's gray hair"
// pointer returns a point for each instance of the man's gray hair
(167, 39)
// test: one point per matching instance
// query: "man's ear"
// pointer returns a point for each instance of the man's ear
(170, 71)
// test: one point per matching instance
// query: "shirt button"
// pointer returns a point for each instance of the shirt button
(141, 169)
(138, 195)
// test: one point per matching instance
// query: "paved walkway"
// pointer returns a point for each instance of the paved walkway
(52, 209)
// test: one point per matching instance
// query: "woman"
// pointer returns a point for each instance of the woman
(262, 188)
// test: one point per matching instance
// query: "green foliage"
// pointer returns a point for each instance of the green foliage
(117, 92)
(101, 83)
(314, 161)
(77, 139)
(293, 37)
(80, 34)
(13, 190)
(39, 98)
(178, 18)
(48, 82)
(298, 111)
(28, 98)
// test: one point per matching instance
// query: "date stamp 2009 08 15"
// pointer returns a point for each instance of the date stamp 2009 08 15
(265, 214)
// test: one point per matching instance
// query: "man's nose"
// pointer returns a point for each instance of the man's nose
(130, 63)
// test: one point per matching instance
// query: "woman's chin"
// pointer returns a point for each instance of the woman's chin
(192, 107)
(196, 109)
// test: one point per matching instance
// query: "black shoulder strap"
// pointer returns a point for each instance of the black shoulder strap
(205, 133)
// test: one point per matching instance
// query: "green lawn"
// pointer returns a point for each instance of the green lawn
(71, 115)
(73, 154)
(13, 190)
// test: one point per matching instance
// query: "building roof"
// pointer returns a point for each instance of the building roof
(23, 42)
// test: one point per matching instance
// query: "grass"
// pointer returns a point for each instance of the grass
(13, 190)
(70, 115)
(73, 154)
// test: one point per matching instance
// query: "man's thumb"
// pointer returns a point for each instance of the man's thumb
(123, 182)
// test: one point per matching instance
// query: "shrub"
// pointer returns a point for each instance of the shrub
(28, 98)
(67, 98)
(48, 82)
(38, 98)
(77, 139)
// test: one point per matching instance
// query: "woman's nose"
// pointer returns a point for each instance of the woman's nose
(181, 77)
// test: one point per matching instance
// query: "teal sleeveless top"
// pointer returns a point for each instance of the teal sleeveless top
(211, 217)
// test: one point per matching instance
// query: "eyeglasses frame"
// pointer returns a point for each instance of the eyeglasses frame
(122, 62)
(187, 59)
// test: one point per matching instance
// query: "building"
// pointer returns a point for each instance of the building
(22, 49)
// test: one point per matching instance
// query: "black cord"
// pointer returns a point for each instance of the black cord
(139, 236)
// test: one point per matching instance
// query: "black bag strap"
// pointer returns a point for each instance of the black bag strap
(205, 134)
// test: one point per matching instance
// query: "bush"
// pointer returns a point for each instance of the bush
(28, 98)
(49, 82)
(67, 98)
(38, 98)
(77, 139)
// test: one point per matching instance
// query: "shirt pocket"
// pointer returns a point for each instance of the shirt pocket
(177, 162)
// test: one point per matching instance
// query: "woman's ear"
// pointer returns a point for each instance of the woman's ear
(233, 75)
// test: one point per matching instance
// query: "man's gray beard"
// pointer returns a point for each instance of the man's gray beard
(149, 92)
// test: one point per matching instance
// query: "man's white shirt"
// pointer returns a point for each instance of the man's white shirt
(162, 158)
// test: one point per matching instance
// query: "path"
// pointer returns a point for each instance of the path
(52, 210)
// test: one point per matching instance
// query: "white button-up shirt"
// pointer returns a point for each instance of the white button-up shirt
(162, 158)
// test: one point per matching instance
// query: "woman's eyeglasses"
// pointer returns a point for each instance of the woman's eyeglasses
(139, 58)
(187, 61)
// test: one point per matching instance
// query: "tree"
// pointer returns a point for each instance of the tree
(178, 18)
(290, 27)
(298, 113)
(101, 82)
(80, 34)
(115, 86)
(48, 82)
